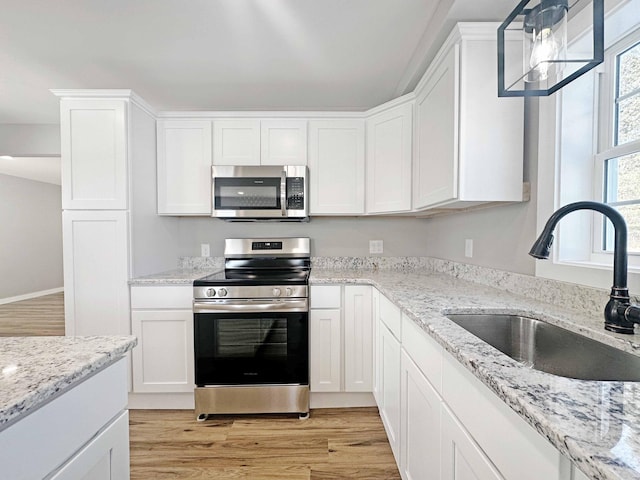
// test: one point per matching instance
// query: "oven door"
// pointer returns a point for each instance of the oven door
(250, 345)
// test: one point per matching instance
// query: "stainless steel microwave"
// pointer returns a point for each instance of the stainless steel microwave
(264, 192)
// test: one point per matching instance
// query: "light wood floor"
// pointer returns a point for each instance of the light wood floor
(332, 444)
(36, 316)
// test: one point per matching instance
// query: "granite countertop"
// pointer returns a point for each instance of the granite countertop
(33, 370)
(595, 424)
(179, 276)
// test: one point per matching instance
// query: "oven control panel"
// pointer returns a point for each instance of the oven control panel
(258, 291)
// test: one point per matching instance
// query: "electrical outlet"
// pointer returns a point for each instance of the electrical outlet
(205, 251)
(468, 248)
(376, 246)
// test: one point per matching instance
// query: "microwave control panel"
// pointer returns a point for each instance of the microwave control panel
(295, 193)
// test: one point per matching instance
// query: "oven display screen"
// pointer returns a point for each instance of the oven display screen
(266, 246)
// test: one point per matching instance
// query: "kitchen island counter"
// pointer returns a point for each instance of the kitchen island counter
(63, 402)
(34, 370)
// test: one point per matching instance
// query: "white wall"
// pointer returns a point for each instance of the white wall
(330, 236)
(29, 140)
(154, 239)
(30, 236)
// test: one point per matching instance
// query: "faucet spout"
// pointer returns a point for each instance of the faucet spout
(620, 315)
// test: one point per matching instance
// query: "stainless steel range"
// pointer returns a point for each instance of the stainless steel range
(251, 329)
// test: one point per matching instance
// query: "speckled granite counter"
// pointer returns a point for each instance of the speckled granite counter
(36, 369)
(595, 424)
(180, 276)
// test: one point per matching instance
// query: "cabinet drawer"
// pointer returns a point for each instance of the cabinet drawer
(423, 350)
(156, 297)
(391, 316)
(326, 296)
(526, 455)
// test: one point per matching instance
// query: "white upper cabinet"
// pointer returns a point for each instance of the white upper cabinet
(283, 142)
(389, 160)
(468, 147)
(94, 153)
(184, 167)
(260, 142)
(336, 167)
(236, 142)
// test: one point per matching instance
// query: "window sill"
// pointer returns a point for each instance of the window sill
(586, 273)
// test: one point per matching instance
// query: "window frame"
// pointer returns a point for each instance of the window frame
(607, 147)
(592, 270)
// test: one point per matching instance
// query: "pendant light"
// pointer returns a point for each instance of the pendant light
(545, 63)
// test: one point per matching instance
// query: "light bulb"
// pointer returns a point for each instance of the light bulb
(545, 49)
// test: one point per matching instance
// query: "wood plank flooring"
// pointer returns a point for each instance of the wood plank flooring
(332, 444)
(36, 316)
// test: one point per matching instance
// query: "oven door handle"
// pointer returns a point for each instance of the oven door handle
(233, 306)
(283, 193)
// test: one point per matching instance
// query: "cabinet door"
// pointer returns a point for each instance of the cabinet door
(389, 160)
(236, 142)
(106, 457)
(436, 133)
(420, 424)
(184, 167)
(390, 388)
(375, 324)
(283, 142)
(163, 360)
(96, 272)
(93, 134)
(336, 167)
(462, 459)
(358, 339)
(325, 350)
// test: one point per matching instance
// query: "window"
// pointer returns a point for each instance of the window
(589, 148)
(620, 157)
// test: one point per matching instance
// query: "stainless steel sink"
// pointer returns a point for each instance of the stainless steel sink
(550, 348)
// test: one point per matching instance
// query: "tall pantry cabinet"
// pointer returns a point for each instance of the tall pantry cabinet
(96, 144)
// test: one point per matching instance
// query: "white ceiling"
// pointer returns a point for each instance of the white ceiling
(223, 54)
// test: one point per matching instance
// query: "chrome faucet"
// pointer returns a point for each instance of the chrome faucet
(619, 314)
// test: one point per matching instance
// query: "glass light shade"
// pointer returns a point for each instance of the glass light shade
(545, 62)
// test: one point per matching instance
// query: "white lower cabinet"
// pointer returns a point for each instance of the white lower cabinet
(96, 272)
(358, 339)
(462, 459)
(106, 457)
(444, 423)
(341, 339)
(389, 405)
(162, 319)
(81, 434)
(325, 350)
(420, 424)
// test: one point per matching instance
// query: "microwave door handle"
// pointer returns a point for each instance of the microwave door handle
(283, 193)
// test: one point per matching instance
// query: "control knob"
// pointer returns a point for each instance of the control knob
(288, 292)
(222, 292)
(277, 292)
(211, 292)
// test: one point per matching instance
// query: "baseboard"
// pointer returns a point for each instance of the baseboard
(161, 401)
(185, 401)
(341, 400)
(28, 296)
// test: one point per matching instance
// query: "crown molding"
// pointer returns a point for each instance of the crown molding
(119, 93)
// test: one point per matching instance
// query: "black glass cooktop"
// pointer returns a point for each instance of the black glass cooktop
(254, 277)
